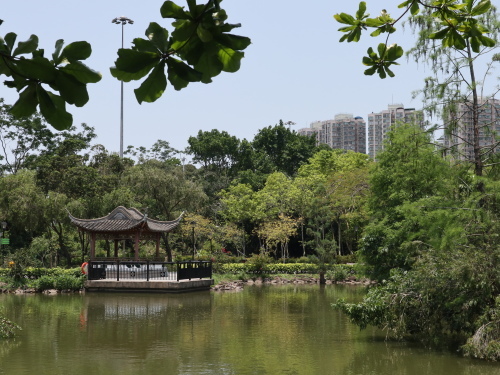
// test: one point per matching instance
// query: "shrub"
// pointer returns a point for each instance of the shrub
(68, 282)
(45, 282)
(337, 274)
(257, 262)
(350, 258)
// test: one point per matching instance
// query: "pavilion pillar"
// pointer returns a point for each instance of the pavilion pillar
(157, 246)
(92, 245)
(116, 248)
(136, 246)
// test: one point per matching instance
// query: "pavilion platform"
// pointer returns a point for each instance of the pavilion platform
(148, 276)
(148, 286)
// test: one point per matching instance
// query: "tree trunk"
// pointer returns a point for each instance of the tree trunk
(322, 279)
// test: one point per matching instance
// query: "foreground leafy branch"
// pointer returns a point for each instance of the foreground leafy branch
(199, 48)
(458, 25)
(7, 328)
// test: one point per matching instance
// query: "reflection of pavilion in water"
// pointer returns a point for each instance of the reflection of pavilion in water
(141, 306)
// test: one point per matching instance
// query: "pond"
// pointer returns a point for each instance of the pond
(288, 329)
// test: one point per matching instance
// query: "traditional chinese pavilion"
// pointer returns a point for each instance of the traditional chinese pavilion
(124, 223)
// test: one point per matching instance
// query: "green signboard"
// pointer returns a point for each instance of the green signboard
(5, 241)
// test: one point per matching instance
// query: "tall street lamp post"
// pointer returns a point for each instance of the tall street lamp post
(121, 21)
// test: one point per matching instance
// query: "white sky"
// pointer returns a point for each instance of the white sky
(294, 70)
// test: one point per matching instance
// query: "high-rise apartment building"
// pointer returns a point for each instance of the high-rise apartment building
(380, 123)
(460, 134)
(343, 132)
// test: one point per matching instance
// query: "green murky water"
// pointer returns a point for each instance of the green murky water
(262, 330)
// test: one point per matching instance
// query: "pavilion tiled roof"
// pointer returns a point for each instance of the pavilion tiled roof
(123, 219)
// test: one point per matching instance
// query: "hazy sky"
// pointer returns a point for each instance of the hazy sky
(295, 69)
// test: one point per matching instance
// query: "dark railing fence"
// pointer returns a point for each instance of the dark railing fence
(148, 270)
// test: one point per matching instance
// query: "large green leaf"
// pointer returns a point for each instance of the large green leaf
(144, 45)
(183, 70)
(27, 102)
(415, 8)
(3, 47)
(374, 22)
(71, 89)
(230, 59)
(133, 65)
(192, 50)
(82, 72)
(361, 10)
(355, 35)
(204, 34)
(158, 36)
(184, 29)
(439, 34)
(153, 86)
(475, 44)
(10, 40)
(209, 65)
(171, 10)
(26, 47)
(127, 77)
(176, 81)
(76, 51)
(38, 68)
(481, 8)
(135, 61)
(196, 9)
(53, 108)
(56, 56)
(235, 42)
(227, 27)
(487, 42)
(344, 18)
(394, 52)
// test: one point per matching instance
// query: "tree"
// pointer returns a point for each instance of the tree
(238, 205)
(408, 171)
(22, 206)
(275, 234)
(160, 150)
(164, 191)
(214, 149)
(199, 48)
(278, 149)
(451, 291)
(21, 139)
(347, 195)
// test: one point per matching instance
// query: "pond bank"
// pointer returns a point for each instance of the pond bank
(237, 285)
(225, 285)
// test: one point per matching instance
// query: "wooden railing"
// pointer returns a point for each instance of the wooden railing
(148, 270)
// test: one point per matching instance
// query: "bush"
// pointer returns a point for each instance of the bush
(343, 259)
(68, 282)
(257, 262)
(337, 274)
(273, 268)
(45, 282)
